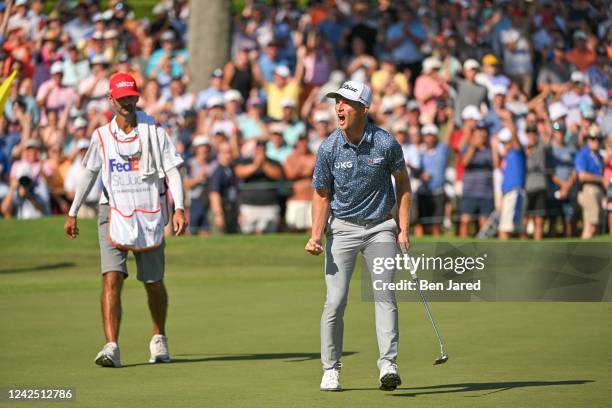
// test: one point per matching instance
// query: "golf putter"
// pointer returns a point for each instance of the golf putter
(443, 356)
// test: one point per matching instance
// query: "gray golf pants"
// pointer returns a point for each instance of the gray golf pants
(344, 241)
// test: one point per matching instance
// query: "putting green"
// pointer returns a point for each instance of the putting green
(244, 331)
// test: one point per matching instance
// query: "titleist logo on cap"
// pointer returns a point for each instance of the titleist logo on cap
(124, 84)
(347, 86)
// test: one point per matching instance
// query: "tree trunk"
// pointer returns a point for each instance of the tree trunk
(209, 39)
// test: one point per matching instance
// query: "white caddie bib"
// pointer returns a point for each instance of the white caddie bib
(138, 209)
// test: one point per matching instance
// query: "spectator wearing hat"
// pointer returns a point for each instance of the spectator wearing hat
(468, 91)
(581, 55)
(556, 73)
(233, 104)
(490, 76)
(458, 140)
(535, 182)
(259, 176)
(223, 194)
(284, 87)
(513, 181)
(277, 149)
(518, 64)
(28, 195)
(89, 209)
(52, 94)
(299, 168)
(177, 99)
(429, 88)
(577, 96)
(430, 196)
(251, 123)
(477, 160)
(589, 169)
(170, 54)
(293, 128)
(199, 169)
(562, 186)
(269, 60)
(320, 129)
(215, 88)
(75, 69)
(95, 86)
(494, 116)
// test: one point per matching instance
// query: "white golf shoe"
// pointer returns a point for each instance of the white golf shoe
(109, 356)
(331, 380)
(389, 378)
(159, 349)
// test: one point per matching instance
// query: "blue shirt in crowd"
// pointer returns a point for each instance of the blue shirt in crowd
(434, 162)
(514, 170)
(589, 162)
(359, 176)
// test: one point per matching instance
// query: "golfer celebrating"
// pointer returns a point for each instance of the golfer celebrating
(352, 178)
(135, 158)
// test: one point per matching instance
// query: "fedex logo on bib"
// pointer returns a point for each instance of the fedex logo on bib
(130, 165)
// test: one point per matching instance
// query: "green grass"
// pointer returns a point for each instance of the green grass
(244, 331)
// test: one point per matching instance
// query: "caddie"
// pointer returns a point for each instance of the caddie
(139, 165)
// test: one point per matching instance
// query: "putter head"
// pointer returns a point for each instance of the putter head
(441, 360)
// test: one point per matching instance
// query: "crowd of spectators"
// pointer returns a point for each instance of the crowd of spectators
(502, 108)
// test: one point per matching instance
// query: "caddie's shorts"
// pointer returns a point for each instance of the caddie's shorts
(149, 264)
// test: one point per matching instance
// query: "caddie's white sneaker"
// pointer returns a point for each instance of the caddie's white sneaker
(109, 356)
(159, 349)
(389, 378)
(331, 380)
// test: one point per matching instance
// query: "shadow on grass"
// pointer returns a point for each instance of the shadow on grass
(45, 267)
(491, 387)
(287, 357)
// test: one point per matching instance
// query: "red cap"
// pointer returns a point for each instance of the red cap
(122, 85)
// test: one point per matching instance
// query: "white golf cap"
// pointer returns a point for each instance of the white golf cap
(471, 64)
(79, 123)
(471, 112)
(288, 103)
(504, 135)
(97, 17)
(276, 127)
(429, 130)
(510, 36)
(167, 35)
(431, 63)
(387, 104)
(580, 35)
(499, 90)
(214, 101)
(232, 95)
(21, 3)
(321, 116)
(200, 140)
(98, 59)
(57, 67)
(354, 91)
(282, 71)
(578, 76)
(97, 35)
(398, 100)
(32, 143)
(83, 144)
(556, 111)
(412, 105)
